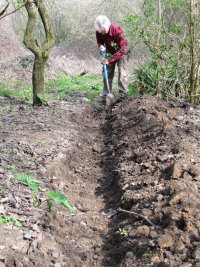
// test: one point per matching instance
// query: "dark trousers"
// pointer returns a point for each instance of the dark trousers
(122, 76)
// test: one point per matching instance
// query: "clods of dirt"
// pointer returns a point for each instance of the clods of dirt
(59, 145)
(131, 173)
(154, 148)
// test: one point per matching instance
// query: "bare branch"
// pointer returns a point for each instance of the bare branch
(49, 41)
(15, 10)
(4, 10)
(138, 215)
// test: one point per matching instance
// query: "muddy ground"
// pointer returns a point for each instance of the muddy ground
(132, 172)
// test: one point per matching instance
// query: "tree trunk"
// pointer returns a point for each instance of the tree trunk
(38, 80)
(193, 51)
(41, 52)
(159, 16)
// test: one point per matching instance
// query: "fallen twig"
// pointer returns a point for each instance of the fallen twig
(138, 215)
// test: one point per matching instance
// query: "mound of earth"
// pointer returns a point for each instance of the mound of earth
(154, 150)
(131, 172)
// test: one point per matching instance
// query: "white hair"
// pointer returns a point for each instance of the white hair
(102, 22)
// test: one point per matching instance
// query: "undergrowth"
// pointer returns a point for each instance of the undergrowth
(64, 87)
(16, 89)
(80, 88)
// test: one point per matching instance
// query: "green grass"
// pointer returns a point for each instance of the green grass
(17, 89)
(80, 88)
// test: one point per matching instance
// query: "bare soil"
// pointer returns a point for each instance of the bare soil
(132, 172)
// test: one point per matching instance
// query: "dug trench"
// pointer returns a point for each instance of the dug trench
(132, 173)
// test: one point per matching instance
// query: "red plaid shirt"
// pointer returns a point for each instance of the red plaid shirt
(114, 42)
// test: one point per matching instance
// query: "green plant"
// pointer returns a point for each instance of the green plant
(122, 232)
(158, 79)
(27, 179)
(146, 79)
(9, 220)
(59, 199)
(168, 32)
(114, 45)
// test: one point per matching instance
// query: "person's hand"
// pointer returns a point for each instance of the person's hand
(104, 61)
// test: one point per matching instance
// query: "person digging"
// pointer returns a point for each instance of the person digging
(110, 38)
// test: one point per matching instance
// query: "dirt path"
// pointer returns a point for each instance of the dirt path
(141, 156)
(63, 145)
(79, 175)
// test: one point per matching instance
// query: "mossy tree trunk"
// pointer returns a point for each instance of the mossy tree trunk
(38, 79)
(41, 51)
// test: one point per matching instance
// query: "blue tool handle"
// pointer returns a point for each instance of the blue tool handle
(105, 72)
(106, 77)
